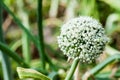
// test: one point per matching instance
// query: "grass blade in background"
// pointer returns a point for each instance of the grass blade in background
(25, 39)
(113, 3)
(6, 65)
(31, 37)
(14, 46)
(70, 11)
(54, 8)
(44, 57)
(111, 23)
(40, 33)
(35, 41)
(13, 55)
(89, 8)
(100, 66)
(111, 51)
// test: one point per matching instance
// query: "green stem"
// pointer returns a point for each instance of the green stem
(72, 69)
(41, 49)
(6, 66)
(12, 54)
(40, 33)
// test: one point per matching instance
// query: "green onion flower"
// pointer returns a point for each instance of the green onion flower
(83, 38)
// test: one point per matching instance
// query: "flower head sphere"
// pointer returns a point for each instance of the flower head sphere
(83, 38)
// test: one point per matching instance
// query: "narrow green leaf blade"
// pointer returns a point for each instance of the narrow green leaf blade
(30, 73)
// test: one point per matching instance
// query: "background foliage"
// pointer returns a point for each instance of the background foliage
(22, 33)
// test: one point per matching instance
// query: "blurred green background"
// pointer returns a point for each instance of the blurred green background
(54, 14)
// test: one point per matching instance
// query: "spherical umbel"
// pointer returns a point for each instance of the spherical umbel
(83, 38)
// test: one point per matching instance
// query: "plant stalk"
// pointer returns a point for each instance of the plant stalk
(72, 69)
(77, 73)
(40, 33)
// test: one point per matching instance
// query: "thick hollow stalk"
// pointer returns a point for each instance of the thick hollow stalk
(77, 73)
(72, 69)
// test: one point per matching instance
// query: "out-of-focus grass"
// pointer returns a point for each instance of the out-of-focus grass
(106, 11)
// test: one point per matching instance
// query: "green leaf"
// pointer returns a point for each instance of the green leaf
(30, 73)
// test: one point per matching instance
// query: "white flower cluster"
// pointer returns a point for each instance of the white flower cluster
(83, 38)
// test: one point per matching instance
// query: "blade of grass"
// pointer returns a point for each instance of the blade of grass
(103, 64)
(21, 25)
(100, 66)
(14, 46)
(41, 48)
(107, 74)
(44, 56)
(111, 25)
(40, 32)
(6, 65)
(31, 37)
(13, 55)
(111, 51)
(25, 39)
